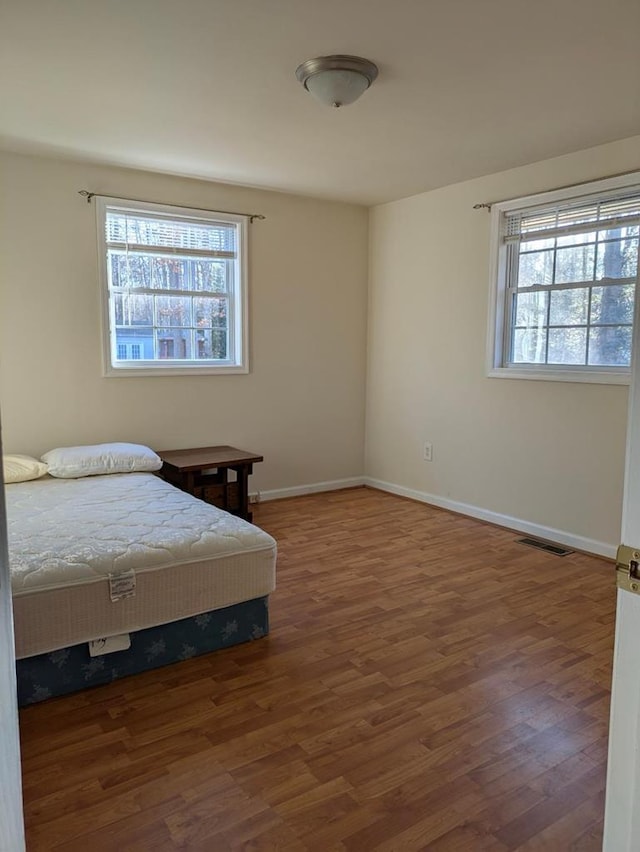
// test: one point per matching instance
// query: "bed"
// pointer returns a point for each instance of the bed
(129, 559)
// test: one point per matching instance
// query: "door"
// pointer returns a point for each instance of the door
(11, 825)
(622, 811)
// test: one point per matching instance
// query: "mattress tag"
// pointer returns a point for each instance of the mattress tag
(98, 647)
(122, 585)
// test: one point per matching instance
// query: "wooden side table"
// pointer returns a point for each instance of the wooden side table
(203, 472)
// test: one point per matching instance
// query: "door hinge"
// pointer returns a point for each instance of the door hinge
(628, 569)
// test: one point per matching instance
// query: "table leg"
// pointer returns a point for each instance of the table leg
(242, 474)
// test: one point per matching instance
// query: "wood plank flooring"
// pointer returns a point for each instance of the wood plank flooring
(428, 684)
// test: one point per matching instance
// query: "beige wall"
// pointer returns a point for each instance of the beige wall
(549, 453)
(302, 405)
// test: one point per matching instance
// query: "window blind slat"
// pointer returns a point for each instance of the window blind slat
(162, 293)
(141, 249)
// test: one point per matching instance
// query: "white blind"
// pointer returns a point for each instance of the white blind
(594, 213)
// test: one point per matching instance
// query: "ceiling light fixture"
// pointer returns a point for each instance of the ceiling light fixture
(337, 80)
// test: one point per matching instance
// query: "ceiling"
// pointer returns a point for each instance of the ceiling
(206, 88)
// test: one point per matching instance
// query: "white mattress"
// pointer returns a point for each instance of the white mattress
(67, 536)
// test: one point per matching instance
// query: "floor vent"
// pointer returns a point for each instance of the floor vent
(544, 545)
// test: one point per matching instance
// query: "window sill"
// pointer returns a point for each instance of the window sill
(581, 376)
(146, 372)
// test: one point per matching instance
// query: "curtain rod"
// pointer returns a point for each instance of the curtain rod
(89, 195)
(489, 205)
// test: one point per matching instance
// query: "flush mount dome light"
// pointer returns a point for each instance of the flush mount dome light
(337, 80)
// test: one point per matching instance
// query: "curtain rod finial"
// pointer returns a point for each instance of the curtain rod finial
(88, 195)
(482, 207)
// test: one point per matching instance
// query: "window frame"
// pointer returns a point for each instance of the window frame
(238, 299)
(498, 322)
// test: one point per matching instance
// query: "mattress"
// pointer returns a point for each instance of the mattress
(72, 540)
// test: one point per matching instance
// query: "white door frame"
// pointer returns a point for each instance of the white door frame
(622, 820)
(11, 819)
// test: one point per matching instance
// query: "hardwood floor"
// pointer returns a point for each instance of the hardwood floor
(428, 684)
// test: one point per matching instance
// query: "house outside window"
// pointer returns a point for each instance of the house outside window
(174, 289)
(564, 275)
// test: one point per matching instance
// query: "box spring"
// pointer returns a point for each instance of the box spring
(70, 669)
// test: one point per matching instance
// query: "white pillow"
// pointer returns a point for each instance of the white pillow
(19, 468)
(96, 459)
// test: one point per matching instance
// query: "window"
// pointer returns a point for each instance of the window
(174, 289)
(565, 268)
(129, 351)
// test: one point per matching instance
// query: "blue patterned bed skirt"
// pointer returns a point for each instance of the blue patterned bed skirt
(72, 669)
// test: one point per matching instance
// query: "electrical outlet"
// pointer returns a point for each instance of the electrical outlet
(255, 497)
(427, 451)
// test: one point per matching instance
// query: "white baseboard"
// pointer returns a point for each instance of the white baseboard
(600, 548)
(589, 545)
(313, 488)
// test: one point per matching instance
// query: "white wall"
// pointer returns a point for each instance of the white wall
(550, 453)
(302, 405)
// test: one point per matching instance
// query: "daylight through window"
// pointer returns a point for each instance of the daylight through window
(567, 275)
(174, 289)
